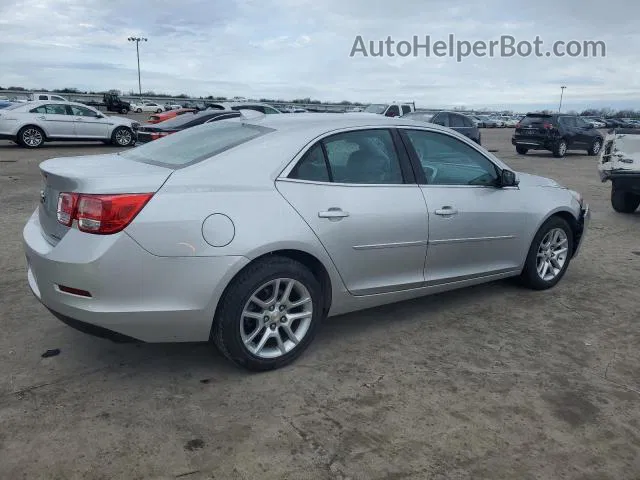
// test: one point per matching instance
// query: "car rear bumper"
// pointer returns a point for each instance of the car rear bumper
(134, 294)
(533, 143)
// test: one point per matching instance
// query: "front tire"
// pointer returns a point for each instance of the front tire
(139, 110)
(560, 149)
(521, 150)
(30, 137)
(122, 137)
(269, 314)
(623, 201)
(549, 255)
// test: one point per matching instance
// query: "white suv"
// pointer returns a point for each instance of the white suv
(31, 124)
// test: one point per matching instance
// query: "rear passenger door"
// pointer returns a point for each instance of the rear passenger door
(56, 120)
(355, 190)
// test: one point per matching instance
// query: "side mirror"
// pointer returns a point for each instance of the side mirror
(508, 179)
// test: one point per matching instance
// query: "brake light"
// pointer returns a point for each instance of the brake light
(518, 125)
(157, 135)
(100, 214)
(547, 126)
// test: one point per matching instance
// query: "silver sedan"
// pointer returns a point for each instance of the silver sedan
(248, 232)
(31, 124)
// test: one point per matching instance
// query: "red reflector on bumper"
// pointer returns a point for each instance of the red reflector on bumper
(74, 291)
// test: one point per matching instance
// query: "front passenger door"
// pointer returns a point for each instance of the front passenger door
(88, 124)
(475, 228)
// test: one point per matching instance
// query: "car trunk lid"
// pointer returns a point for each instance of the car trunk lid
(95, 174)
(535, 126)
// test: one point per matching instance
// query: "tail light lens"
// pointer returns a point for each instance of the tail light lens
(547, 126)
(66, 208)
(518, 125)
(100, 214)
(156, 135)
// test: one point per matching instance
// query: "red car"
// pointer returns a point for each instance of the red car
(161, 117)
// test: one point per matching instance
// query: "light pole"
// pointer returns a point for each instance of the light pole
(138, 40)
(561, 94)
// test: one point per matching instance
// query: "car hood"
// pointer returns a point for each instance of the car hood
(121, 120)
(528, 180)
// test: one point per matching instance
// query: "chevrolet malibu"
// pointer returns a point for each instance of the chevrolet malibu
(248, 232)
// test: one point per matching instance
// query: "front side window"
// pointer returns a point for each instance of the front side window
(406, 109)
(446, 160)
(43, 97)
(394, 111)
(440, 119)
(82, 112)
(568, 121)
(270, 110)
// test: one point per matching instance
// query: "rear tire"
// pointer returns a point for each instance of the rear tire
(139, 110)
(560, 149)
(230, 323)
(124, 111)
(521, 150)
(30, 137)
(531, 276)
(623, 201)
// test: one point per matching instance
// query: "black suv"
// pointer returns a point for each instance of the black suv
(556, 133)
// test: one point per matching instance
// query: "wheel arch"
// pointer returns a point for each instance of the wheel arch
(27, 125)
(571, 219)
(315, 266)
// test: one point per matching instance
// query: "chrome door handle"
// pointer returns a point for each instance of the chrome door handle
(446, 211)
(42, 117)
(333, 213)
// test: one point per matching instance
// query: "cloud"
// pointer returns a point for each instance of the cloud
(300, 48)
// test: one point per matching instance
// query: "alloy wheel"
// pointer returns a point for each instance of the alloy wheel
(32, 137)
(276, 318)
(596, 147)
(562, 148)
(123, 137)
(552, 254)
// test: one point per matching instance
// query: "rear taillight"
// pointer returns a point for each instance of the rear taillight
(100, 214)
(157, 135)
(518, 125)
(66, 208)
(547, 126)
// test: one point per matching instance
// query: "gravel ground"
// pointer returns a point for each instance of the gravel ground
(491, 382)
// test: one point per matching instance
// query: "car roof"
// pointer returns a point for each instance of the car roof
(37, 103)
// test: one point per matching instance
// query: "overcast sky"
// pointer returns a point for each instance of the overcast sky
(300, 48)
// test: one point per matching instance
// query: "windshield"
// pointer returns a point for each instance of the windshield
(534, 119)
(376, 108)
(195, 144)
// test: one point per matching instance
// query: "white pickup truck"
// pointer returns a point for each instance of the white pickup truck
(620, 163)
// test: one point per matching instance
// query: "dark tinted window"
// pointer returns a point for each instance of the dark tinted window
(580, 122)
(312, 166)
(456, 120)
(568, 121)
(40, 109)
(394, 111)
(468, 122)
(448, 161)
(406, 109)
(363, 156)
(43, 97)
(420, 116)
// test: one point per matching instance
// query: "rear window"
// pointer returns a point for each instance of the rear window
(535, 119)
(195, 144)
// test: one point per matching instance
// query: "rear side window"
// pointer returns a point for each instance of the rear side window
(43, 97)
(467, 122)
(195, 144)
(358, 157)
(406, 109)
(312, 167)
